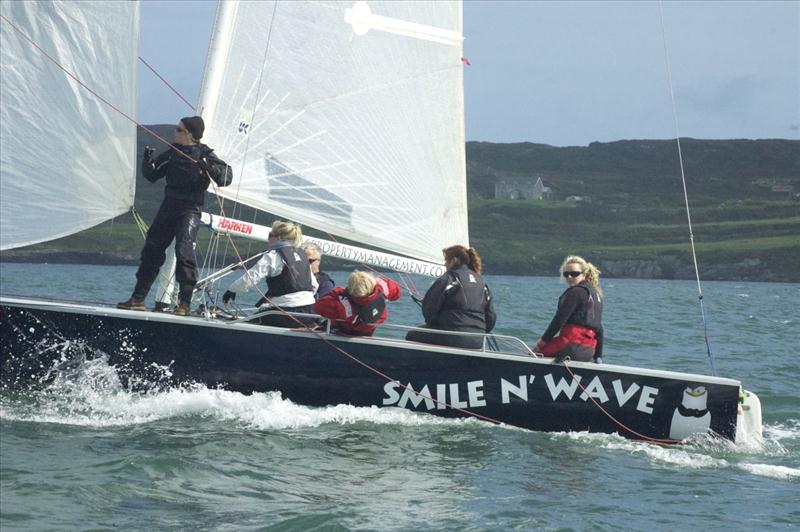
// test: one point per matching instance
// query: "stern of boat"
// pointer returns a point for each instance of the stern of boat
(748, 419)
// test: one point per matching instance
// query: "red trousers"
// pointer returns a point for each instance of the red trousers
(574, 340)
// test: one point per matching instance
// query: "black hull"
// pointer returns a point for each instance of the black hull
(517, 390)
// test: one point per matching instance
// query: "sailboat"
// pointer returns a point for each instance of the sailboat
(344, 116)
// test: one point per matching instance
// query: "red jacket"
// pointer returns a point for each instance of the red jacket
(340, 307)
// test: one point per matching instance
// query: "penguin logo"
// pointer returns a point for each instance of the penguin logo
(692, 415)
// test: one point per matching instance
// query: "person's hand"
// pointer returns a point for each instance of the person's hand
(205, 166)
(228, 296)
(147, 154)
(539, 345)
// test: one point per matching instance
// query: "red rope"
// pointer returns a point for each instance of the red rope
(615, 420)
(173, 89)
(85, 86)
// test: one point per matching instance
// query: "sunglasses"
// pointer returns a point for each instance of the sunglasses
(179, 129)
(571, 274)
(312, 260)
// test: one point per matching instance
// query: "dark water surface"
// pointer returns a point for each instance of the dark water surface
(88, 454)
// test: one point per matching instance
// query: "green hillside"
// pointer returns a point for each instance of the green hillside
(630, 221)
(743, 197)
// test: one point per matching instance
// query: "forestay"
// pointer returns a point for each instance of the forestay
(65, 152)
(344, 116)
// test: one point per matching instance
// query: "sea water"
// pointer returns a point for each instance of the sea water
(86, 453)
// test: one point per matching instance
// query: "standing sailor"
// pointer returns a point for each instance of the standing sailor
(188, 166)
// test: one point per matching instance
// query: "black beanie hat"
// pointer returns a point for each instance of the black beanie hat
(195, 126)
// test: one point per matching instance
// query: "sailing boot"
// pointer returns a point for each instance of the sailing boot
(134, 303)
(184, 299)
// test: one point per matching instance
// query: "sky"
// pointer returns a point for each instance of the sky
(567, 73)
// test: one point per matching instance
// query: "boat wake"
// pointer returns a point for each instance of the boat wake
(709, 452)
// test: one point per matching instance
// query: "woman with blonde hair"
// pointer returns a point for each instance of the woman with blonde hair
(578, 320)
(359, 308)
(459, 300)
(291, 285)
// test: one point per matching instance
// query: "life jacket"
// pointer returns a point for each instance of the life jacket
(590, 313)
(295, 277)
(371, 311)
(464, 307)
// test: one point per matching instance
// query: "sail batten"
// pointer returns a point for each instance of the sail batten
(63, 149)
(344, 116)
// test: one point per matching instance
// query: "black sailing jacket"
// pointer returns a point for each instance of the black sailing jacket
(185, 180)
(459, 300)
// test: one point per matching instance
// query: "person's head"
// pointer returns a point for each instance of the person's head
(360, 284)
(455, 256)
(285, 231)
(313, 253)
(575, 270)
(189, 130)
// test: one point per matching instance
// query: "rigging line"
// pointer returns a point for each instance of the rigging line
(612, 418)
(173, 89)
(685, 193)
(353, 357)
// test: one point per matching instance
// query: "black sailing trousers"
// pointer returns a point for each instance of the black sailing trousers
(176, 219)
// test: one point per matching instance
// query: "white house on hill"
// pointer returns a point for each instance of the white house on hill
(522, 189)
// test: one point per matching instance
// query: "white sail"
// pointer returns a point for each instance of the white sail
(344, 116)
(62, 150)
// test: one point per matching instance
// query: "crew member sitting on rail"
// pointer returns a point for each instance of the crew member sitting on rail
(578, 320)
(459, 300)
(357, 309)
(291, 285)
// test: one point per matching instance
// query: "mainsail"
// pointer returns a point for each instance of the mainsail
(344, 116)
(63, 150)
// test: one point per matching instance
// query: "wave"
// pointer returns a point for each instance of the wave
(707, 451)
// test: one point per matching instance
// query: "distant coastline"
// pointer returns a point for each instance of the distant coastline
(619, 204)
